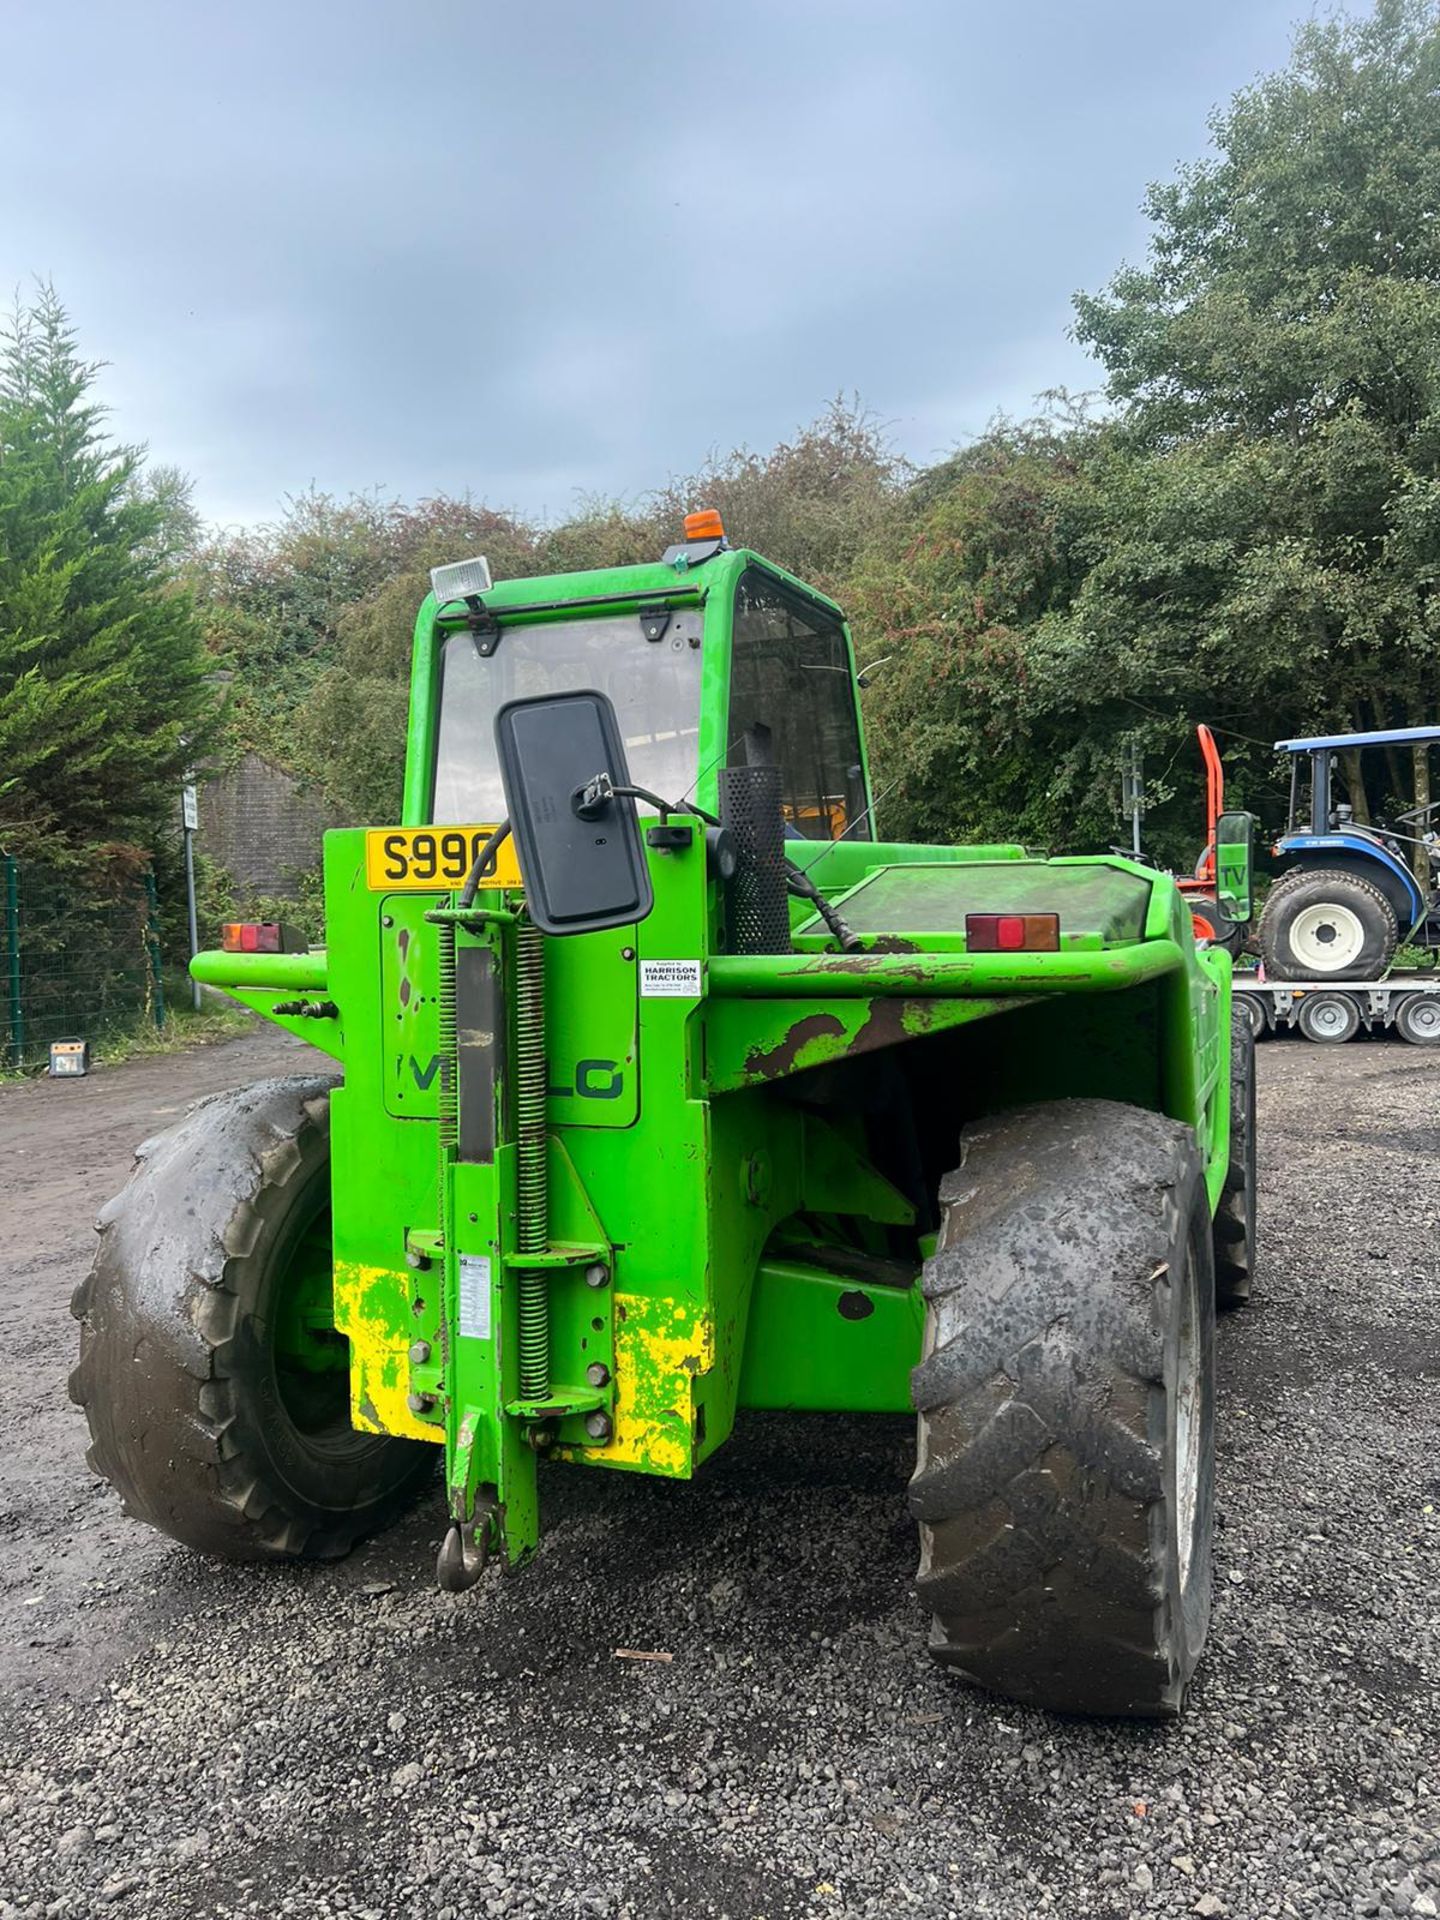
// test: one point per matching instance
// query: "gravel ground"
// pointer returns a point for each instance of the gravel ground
(183, 1739)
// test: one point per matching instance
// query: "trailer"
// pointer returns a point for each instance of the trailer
(1329, 1014)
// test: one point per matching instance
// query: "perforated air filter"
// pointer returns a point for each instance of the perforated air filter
(758, 906)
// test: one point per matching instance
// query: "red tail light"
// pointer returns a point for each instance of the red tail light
(1012, 932)
(252, 936)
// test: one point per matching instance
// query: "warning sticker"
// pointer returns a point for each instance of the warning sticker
(669, 979)
(475, 1295)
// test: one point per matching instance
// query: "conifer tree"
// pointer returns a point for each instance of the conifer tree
(103, 693)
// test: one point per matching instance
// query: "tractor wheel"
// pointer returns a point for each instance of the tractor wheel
(1234, 1227)
(1064, 1484)
(1208, 924)
(216, 1388)
(1417, 1019)
(1324, 924)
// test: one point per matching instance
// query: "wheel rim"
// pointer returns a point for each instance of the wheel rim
(1326, 938)
(311, 1361)
(1189, 1423)
(1329, 1019)
(1421, 1017)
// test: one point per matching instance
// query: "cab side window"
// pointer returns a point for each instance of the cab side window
(792, 701)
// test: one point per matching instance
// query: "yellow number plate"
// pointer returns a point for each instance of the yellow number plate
(432, 859)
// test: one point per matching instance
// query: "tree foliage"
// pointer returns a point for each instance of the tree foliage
(813, 503)
(1251, 537)
(103, 694)
(1277, 362)
(963, 726)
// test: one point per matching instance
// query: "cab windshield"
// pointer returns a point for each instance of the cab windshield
(655, 685)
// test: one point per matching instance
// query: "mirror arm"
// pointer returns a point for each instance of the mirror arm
(591, 800)
(664, 807)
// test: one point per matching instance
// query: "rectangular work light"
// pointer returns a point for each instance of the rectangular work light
(462, 580)
(1012, 932)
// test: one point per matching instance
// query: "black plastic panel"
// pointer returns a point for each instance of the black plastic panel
(480, 1045)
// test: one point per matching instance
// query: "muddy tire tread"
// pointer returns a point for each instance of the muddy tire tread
(167, 1358)
(1277, 965)
(1039, 1479)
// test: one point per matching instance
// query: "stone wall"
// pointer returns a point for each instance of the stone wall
(258, 822)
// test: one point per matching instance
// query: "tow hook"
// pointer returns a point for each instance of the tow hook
(464, 1550)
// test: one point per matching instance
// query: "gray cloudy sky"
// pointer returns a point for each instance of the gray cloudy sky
(535, 250)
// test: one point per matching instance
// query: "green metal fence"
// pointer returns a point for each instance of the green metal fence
(79, 958)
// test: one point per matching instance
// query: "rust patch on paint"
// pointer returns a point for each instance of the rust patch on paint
(884, 1027)
(773, 1063)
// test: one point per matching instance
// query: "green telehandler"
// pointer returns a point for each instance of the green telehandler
(666, 1089)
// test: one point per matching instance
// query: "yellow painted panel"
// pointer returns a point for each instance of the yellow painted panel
(661, 1345)
(379, 1352)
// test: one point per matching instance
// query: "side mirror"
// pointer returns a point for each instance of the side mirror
(1234, 866)
(577, 840)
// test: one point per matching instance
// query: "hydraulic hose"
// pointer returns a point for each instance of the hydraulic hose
(482, 860)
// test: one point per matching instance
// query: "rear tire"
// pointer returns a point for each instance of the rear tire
(1329, 1019)
(1326, 924)
(228, 1437)
(1417, 1019)
(1065, 1472)
(1234, 1226)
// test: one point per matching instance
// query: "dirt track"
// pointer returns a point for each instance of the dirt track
(65, 1145)
(179, 1739)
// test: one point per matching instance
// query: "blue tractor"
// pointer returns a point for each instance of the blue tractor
(1348, 895)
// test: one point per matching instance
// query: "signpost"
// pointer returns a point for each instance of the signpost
(1132, 794)
(190, 815)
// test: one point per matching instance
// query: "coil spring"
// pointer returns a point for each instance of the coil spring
(448, 1106)
(447, 1099)
(532, 1197)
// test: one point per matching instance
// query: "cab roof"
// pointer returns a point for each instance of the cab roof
(1389, 736)
(601, 585)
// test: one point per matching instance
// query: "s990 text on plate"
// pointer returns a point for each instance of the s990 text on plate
(432, 859)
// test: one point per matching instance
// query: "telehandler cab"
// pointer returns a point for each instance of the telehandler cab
(689, 1095)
